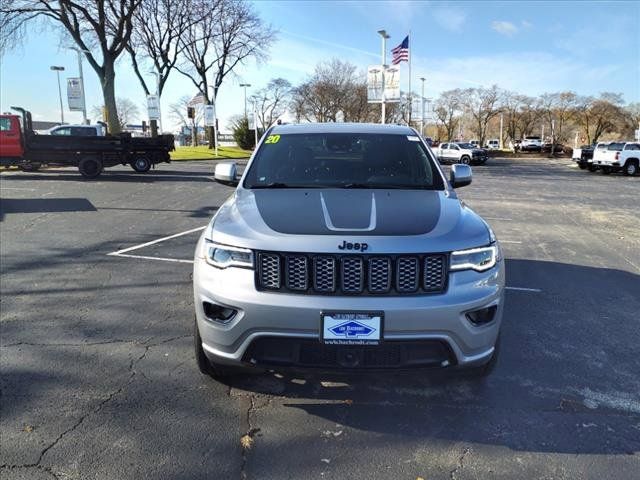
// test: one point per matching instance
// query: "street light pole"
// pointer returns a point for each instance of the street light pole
(383, 34)
(422, 107)
(245, 85)
(58, 69)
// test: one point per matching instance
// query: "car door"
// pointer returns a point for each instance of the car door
(454, 153)
(10, 141)
(441, 151)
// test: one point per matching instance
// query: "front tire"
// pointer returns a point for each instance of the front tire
(141, 164)
(606, 170)
(90, 167)
(592, 167)
(465, 159)
(582, 166)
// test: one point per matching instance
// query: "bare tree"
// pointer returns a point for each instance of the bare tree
(178, 111)
(447, 110)
(96, 26)
(127, 111)
(557, 110)
(157, 28)
(271, 101)
(597, 116)
(482, 104)
(334, 87)
(226, 34)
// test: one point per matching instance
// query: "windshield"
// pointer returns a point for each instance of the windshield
(343, 160)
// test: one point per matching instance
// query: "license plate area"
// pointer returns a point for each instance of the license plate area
(351, 328)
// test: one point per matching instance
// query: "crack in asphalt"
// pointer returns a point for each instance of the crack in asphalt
(453, 474)
(95, 410)
(251, 431)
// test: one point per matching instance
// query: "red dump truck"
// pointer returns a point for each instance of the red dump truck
(20, 146)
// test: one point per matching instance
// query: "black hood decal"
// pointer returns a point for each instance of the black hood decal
(349, 212)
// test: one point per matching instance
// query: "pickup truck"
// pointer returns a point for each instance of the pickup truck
(77, 130)
(459, 152)
(583, 155)
(623, 156)
(20, 146)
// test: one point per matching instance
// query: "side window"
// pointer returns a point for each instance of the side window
(454, 147)
(62, 131)
(5, 124)
(444, 146)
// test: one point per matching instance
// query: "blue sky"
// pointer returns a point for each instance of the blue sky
(529, 47)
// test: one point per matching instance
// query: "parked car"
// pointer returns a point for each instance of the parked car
(475, 143)
(345, 247)
(558, 148)
(493, 144)
(78, 130)
(623, 156)
(583, 155)
(460, 153)
(531, 143)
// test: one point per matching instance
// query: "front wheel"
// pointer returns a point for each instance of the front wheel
(606, 170)
(141, 164)
(582, 166)
(592, 167)
(90, 167)
(465, 159)
(631, 168)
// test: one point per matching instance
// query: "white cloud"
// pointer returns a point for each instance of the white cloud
(450, 18)
(504, 28)
(526, 24)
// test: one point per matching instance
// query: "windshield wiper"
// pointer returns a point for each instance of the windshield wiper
(386, 186)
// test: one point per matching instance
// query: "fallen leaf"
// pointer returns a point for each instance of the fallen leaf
(348, 402)
(27, 428)
(246, 442)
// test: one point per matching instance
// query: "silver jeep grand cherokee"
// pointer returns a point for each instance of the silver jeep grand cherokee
(344, 247)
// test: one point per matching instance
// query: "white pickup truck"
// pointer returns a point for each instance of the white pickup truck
(460, 152)
(617, 156)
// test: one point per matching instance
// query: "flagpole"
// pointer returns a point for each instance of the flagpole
(410, 96)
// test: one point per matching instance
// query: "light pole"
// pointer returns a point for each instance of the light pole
(58, 70)
(383, 34)
(245, 85)
(422, 107)
(79, 51)
(501, 123)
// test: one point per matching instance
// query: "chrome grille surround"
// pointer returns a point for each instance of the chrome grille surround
(365, 274)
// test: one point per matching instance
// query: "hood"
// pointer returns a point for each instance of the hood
(318, 220)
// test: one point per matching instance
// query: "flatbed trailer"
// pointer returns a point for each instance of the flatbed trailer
(20, 146)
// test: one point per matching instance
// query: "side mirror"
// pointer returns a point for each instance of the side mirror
(226, 173)
(460, 175)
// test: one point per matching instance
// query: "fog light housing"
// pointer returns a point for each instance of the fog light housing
(482, 316)
(218, 313)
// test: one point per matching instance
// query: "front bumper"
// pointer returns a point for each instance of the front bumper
(425, 318)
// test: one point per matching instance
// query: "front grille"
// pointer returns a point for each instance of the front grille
(308, 353)
(351, 274)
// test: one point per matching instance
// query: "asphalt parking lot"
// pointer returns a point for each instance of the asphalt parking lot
(99, 382)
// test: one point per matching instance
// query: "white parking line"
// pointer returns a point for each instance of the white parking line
(509, 241)
(144, 257)
(142, 245)
(523, 289)
(498, 218)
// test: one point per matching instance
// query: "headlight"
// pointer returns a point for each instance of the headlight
(223, 256)
(478, 259)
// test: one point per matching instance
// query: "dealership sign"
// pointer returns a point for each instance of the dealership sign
(153, 107)
(74, 94)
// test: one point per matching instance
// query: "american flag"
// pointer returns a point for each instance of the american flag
(401, 52)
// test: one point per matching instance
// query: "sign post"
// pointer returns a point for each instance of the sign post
(153, 112)
(210, 121)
